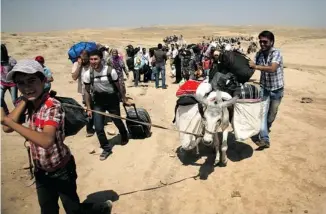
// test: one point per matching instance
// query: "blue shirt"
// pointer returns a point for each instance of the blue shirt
(48, 75)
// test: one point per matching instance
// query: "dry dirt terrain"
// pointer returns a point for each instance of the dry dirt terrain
(146, 176)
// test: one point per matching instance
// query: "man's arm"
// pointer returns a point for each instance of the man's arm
(88, 95)
(15, 115)
(49, 76)
(276, 61)
(44, 139)
(270, 69)
(124, 67)
(119, 87)
(50, 79)
(76, 69)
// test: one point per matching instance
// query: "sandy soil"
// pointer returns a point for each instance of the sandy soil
(287, 178)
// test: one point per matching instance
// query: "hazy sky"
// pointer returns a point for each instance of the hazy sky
(45, 15)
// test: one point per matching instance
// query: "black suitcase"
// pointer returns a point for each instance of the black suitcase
(136, 130)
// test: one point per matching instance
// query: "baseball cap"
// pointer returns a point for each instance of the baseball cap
(40, 59)
(26, 66)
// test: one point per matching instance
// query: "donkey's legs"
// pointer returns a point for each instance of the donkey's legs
(198, 140)
(216, 144)
(224, 147)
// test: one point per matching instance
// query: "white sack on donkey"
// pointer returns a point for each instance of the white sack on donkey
(188, 119)
(247, 118)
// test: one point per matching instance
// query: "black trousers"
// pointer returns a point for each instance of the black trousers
(178, 76)
(62, 183)
(111, 103)
(89, 125)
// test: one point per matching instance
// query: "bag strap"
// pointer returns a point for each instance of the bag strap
(91, 75)
(108, 73)
(30, 167)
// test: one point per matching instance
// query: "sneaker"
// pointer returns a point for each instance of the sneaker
(260, 143)
(107, 207)
(263, 145)
(90, 134)
(267, 145)
(101, 207)
(105, 154)
(124, 141)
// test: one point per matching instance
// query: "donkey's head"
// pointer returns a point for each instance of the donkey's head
(214, 112)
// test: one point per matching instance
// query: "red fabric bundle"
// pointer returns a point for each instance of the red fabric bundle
(188, 88)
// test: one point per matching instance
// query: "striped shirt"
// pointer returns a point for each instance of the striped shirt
(271, 80)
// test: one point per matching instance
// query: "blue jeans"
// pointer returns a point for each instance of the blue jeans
(153, 73)
(14, 93)
(160, 69)
(272, 100)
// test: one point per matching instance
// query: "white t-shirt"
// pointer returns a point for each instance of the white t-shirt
(174, 53)
(101, 81)
(81, 87)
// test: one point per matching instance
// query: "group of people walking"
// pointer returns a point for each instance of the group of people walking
(101, 85)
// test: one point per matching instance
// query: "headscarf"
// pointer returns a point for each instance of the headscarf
(116, 61)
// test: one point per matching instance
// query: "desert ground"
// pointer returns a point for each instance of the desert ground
(146, 176)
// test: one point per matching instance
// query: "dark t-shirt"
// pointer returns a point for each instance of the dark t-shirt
(160, 57)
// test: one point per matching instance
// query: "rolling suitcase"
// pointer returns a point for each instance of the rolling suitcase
(136, 130)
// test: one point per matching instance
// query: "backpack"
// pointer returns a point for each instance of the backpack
(108, 74)
(75, 51)
(75, 118)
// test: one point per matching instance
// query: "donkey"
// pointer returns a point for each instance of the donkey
(216, 115)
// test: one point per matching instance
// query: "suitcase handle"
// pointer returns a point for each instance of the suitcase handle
(133, 105)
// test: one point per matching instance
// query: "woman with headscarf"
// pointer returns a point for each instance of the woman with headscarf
(7, 63)
(117, 63)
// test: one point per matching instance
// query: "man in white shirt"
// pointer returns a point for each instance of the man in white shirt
(78, 70)
(145, 56)
(173, 55)
(103, 81)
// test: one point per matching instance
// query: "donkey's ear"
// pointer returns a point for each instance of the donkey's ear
(218, 95)
(225, 96)
(201, 99)
(229, 102)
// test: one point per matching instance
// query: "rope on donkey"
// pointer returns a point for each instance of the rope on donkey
(131, 120)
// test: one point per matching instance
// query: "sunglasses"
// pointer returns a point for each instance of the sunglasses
(263, 42)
